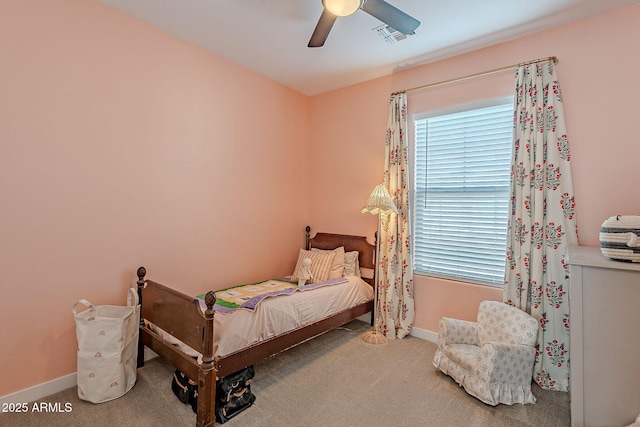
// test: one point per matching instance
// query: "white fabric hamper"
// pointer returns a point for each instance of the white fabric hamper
(620, 238)
(107, 348)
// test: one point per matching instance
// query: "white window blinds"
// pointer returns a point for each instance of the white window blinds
(462, 169)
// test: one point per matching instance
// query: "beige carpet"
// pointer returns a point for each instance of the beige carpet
(332, 380)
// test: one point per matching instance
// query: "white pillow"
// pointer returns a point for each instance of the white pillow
(337, 267)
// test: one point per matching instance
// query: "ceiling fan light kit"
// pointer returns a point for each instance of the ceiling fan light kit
(379, 9)
(342, 7)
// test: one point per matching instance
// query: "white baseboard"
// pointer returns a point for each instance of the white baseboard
(149, 354)
(39, 391)
(424, 334)
(365, 318)
(415, 332)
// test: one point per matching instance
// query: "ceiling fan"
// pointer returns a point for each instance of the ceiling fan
(379, 9)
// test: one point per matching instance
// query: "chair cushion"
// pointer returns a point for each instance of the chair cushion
(465, 355)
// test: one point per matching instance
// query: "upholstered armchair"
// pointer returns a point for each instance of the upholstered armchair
(493, 357)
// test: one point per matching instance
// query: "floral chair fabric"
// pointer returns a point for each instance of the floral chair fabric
(493, 357)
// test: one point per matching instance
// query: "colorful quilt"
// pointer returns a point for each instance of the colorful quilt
(247, 297)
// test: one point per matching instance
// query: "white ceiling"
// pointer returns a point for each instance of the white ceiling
(271, 36)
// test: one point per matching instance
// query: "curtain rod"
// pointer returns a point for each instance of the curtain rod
(483, 73)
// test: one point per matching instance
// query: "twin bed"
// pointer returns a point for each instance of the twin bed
(207, 341)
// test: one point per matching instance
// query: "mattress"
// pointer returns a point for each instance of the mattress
(277, 315)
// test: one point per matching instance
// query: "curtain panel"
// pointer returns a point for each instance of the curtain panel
(542, 221)
(395, 286)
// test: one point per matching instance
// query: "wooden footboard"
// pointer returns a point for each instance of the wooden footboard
(180, 315)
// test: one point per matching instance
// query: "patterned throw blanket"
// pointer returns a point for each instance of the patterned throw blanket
(247, 297)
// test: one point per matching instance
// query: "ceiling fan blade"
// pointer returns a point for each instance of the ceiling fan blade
(323, 27)
(391, 16)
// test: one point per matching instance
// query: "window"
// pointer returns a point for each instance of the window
(462, 169)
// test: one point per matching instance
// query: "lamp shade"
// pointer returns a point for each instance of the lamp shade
(342, 7)
(380, 201)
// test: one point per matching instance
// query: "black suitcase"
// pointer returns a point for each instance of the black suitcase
(183, 387)
(233, 393)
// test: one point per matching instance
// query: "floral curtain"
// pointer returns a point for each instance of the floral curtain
(395, 286)
(542, 221)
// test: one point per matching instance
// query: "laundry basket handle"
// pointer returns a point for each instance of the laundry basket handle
(85, 303)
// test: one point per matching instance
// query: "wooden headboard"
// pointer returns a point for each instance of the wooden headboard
(367, 258)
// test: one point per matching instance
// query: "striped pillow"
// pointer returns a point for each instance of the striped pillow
(337, 268)
(320, 264)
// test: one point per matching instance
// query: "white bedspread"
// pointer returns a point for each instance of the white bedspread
(277, 315)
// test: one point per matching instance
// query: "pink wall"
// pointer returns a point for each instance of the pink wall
(597, 67)
(123, 146)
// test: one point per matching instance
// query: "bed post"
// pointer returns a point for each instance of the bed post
(308, 234)
(141, 281)
(208, 371)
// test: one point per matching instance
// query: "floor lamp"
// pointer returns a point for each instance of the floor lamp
(379, 202)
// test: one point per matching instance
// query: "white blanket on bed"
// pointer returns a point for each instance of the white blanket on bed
(275, 316)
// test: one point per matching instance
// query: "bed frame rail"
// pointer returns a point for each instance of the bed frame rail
(181, 361)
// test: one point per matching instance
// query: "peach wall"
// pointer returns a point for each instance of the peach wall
(597, 68)
(122, 146)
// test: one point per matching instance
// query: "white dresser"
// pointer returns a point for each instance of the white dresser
(604, 300)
